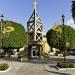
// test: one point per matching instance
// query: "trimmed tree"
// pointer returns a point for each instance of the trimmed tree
(14, 35)
(55, 39)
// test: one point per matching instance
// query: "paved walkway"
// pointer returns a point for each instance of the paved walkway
(15, 66)
(20, 68)
(42, 69)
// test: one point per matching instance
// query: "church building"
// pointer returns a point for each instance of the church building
(37, 42)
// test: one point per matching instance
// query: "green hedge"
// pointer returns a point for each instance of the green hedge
(65, 65)
(55, 39)
(3, 66)
(14, 35)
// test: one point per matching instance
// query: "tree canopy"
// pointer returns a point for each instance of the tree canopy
(14, 35)
(55, 39)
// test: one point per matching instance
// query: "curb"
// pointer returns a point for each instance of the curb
(5, 70)
(66, 68)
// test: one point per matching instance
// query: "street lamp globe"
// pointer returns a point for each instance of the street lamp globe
(2, 16)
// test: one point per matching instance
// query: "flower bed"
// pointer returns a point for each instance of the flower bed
(4, 66)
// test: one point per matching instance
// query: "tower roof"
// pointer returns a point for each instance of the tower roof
(35, 26)
(35, 17)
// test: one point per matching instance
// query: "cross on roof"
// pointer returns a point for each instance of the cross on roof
(35, 4)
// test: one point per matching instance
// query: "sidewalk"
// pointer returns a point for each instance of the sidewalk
(15, 66)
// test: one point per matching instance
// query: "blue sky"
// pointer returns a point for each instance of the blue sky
(50, 11)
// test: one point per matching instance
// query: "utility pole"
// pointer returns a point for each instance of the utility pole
(63, 30)
(73, 10)
(1, 26)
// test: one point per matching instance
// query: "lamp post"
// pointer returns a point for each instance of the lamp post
(1, 38)
(73, 10)
(63, 30)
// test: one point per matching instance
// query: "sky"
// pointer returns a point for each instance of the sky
(50, 11)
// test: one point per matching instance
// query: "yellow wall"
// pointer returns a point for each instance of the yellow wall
(21, 49)
(46, 48)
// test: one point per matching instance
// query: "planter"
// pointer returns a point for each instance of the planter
(65, 68)
(4, 67)
(5, 70)
(65, 65)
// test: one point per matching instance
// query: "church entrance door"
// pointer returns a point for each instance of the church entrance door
(34, 52)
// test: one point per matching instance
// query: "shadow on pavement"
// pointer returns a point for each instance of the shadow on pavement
(52, 66)
(57, 73)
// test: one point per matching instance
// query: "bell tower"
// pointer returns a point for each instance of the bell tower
(35, 36)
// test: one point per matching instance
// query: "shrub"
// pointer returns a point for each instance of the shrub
(65, 65)
(71, 65)
(44, 58)
(41, 57)
(24, 59)
(4, 66)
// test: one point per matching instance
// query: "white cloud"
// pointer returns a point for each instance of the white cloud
(71, 23)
